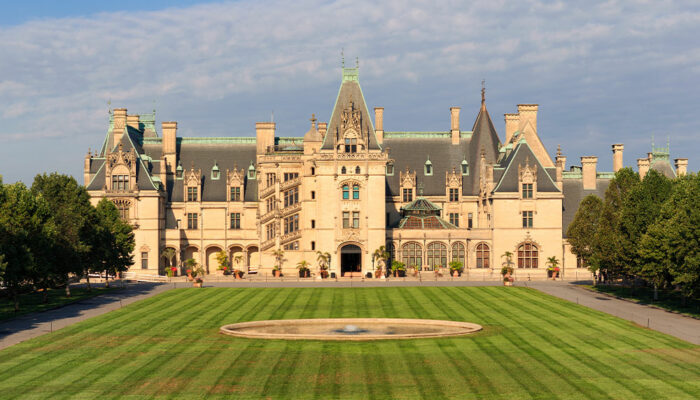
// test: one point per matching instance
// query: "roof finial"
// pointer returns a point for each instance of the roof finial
(109, 106)
(313, 120)
(558, 150)
(483, 94)
(342, 57)
(357, 62)
(420, 189)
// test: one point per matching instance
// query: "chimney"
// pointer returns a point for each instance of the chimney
(169, 130)
(86, 169)
(133, 121)
(681, 166)
(265, 136)
(454, 114)
(617, 156)
(119, 125)
(379, 123)
(322, 128)
(588, 166)
(512, 124)
(560, 163)
(528, 113)
(643, 167)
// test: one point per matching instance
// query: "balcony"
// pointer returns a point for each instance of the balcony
(290, 237)
(267, 244)
(269, 215)
(267, 191)
(290, 183)
(291, 209)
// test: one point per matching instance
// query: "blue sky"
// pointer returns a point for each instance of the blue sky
(602, 72)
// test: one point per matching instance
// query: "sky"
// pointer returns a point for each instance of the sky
(602, 72)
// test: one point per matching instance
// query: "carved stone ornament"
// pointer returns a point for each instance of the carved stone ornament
(350, 235)
(120, 157)
(408, 179)
(453, 179)
(235, 177)
(527, 173)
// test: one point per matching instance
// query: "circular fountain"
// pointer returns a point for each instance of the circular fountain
(349, 329)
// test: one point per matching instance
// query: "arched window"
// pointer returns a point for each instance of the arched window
(412, 254)
(355, 192)
(357, 170)
(458, 252)
(343, 170)
(392, 254)
(346, 192)
(483, 255)
(437, 254)
(527, 255)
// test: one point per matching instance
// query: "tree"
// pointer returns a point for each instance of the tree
(121, 238)
(222, 259)
(323, 260)
(279, 258)
(381, 255)
(70, 211)
(169, 254)
(582, 230)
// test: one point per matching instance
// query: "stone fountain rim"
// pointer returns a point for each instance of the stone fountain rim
(454, 328)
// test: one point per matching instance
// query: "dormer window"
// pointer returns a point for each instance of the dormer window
(251, 171)
(465, 167)
(390, 169)
(120, 183)
(343, 170)
(351, 145)
(357, 170)
(178, 171)
(215, 173)
(191, 193)
(428, 168)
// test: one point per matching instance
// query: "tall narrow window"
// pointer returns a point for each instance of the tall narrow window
(270, 178)
(388, 219)
(356, 219)
(458, 252)
(270, 230)
(355, 192)
(346, 219)
(454, 219)
(313, 195)
(191, 193)
(527, 256)
(390, 169)
(343, 170)
(346, 192)
(351, 145)
(527, 190)
(412, 254)
(291, 197)
(235, 193)
(465, 167)
(483, 255)
(191, 220)
(454, 194)
(313, 223)
(271, 204)
(235, 220)
(120, 182)
(407, 195)
(470, 221)
(313, 171)
(357, 170)
(144, 260)
(527, 219)
(313, 245)
(437, 255)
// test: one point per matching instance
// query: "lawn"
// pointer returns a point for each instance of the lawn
(34, 301)
(533, 345)
(668, 299)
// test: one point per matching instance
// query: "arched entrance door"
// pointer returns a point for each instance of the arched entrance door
(351, 260)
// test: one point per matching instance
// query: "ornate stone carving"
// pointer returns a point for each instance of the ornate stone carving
(408, 179)
(527, 173)
(453, 179)
(235, 177)
(350, 235)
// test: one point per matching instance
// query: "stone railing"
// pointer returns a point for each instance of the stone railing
(266, 191)
(291, 209)
(280, 158)
(354, 156)
(267, 244)
(268, 216)
(290, 236)
(290, 183)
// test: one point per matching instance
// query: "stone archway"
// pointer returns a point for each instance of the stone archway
(211, 263)
(253, 255)
(350, 260)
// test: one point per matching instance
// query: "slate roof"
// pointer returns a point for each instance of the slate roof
(522, 155)
(664, 167)
(574, 193)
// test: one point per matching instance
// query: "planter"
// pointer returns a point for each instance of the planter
(189, 277)
(507, 283)
(238, 275)
(378, 273)
(304, 273)
(276, 273)
(455, 273)
(197, 284)
(324, 274)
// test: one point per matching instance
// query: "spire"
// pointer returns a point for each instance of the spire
(558, 150)
(483, 95)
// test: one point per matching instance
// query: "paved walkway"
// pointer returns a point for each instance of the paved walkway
(680, 326)
(29, 326)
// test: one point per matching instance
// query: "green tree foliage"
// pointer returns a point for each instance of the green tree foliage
(119, 237)
(582, 230)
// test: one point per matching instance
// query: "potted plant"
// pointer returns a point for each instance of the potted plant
(324, 260)
(222, 259)
(456, 268)
(398, 268)
(303, 267)
(170, 271)
(380, 256)
(197, 273)
(169, 254)
(238, 274)
(197, 282)
(507, 273)
(416, 269)
(190, 264)
(553, 267)
(279, 259)
(438, 271)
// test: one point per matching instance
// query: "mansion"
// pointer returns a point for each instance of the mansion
(348, 187)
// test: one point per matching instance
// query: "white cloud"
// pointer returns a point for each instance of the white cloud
(57, 75)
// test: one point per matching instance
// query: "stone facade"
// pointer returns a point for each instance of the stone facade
(348, 187)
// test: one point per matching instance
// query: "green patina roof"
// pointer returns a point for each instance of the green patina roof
(421, 204)
(427, 134)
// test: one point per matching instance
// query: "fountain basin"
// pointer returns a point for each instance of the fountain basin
(349, 329)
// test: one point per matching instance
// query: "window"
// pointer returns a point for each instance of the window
(346, 192)
(191, 220)
(251, 172)
(120, 182)
(313, 245)
(454, 194)
(215, 173)
(270, 230)
(346, 219)
(458, 252)
(527, 219)
(291, 197)
(291, 224)
(527, 190)
(437, 254)
(313, 195)
(271, 203)
(407, 195)
(388, 219)
(235, 220)
(428, 168)
(270, 178)
(527, 256)
(123, 208)
(313, 171)
(351, 145)
(392, 254)
(292, 246)
(144, 260)
(483, 255)
(313, 223)
(191, 193)
(470, 221)
(580, 263)
(235, 193)
(357, 170)
(343, 170)
(178, 172)
(288, 176)
(390, 169)
(355, 219)
(412, 254)
(465, 167)
(355, 192)
(454, 219)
